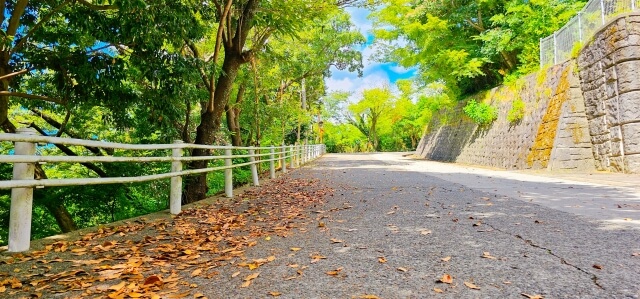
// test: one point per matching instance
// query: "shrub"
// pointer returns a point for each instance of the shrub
(480, 113)
(517, 111)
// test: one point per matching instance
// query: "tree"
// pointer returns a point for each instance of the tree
(367, 112)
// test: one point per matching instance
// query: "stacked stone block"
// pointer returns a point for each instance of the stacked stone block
(610, 80)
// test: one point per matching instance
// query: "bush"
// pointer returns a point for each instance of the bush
(517, 111)
(480, 113)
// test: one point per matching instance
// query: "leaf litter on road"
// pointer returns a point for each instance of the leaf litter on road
(157, 258)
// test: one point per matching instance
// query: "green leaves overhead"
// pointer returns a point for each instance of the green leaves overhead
(470, 45)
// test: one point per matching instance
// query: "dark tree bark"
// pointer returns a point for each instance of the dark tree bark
(233, 118)
(234, 56)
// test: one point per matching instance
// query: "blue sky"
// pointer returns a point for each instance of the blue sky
(375, 73)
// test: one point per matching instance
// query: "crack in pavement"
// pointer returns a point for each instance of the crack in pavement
(594, 278)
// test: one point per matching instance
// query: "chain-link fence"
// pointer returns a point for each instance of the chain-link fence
(558, 47)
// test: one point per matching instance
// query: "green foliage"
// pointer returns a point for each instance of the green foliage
(517, 111)
(480, 113)
(469, 45)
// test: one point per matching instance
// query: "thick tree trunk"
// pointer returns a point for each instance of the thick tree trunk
(62, 216)
(233, 122)
(196, 186)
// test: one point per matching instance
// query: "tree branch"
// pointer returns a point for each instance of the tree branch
(31, 96)
(14, 21)
(7, 76)
(69, 152)
(37, 26)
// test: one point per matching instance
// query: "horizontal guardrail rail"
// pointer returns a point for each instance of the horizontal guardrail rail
(24, 160)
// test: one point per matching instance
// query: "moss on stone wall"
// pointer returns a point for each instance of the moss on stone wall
(545, 137)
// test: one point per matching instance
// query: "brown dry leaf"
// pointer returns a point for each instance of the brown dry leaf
(446, 259)
(117, 287)
(135, 295)
(252, 276)
(153, 279)
(271, 258)
(446, 278)
(196, 272)
(295, 248)
(487, 255)
(532, 296)
(334, 272)
(366, 296)
(402, 269)
(275, 294)
(3, 289)
(597, 266)
(199, 295)
(334, 240)
(437, 290)
(471, 286)
(246, 284)
(235, 274)
(382, 260)
(155, 296)
(477, 224)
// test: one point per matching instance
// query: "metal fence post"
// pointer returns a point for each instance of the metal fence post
(22, 198)
(228, 173)
(602, 11)
(292, 157)
(284, 158)
(555, 49)
(254, 167)
(272, 163)
(175, 197)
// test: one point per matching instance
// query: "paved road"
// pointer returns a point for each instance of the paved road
(396, 226)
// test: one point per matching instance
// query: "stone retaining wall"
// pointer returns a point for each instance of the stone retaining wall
(582, 115)
(528, 143)
(610, 76)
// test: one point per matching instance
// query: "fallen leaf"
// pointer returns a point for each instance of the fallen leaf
(334, 272)
(334, 240)
(446, 278)
(402, 269)
(369, 297)
(471, 285)
(153, 279)
(487, 255)
(134, 295)
(199, 295)
(252, 276)
(597, 266)
(117, 287)
(446, 259)
(382, 259)
(425, 232)
(295, 248)
(275, 294)
(532, 296)
(196, 272)
(235, 274)
(438, 290)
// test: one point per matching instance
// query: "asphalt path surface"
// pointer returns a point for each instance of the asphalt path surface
(397, 227)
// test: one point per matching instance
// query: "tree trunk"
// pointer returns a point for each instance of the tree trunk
(196, 186)
(62, 216)
(233, 122)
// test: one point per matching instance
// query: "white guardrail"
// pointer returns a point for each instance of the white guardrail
(559, 46)
(25, 158)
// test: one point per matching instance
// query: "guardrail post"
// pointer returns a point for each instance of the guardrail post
(22, 198)
(272, 163)
(293, 156)
(175, 197)
(284, 158)
(254, 167)
(228, 173)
